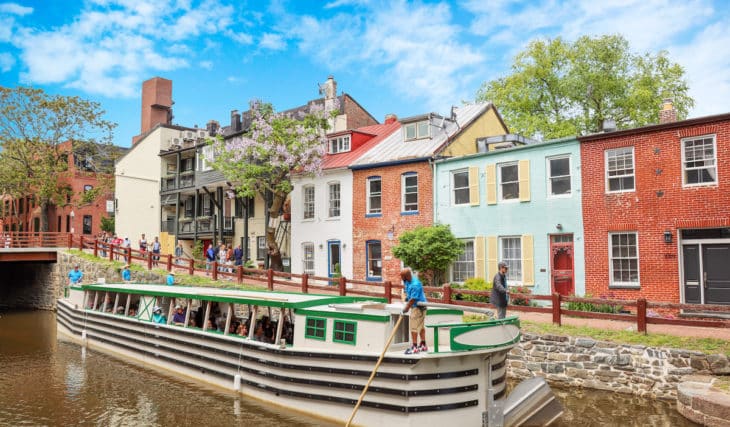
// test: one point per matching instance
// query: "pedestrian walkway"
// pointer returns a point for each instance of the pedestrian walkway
(616, 325)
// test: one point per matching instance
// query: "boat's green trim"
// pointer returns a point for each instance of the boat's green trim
(455, 346)
(344, 332)
(512, 320)
(321, 300)
(345, 315)
(443, 311)
(76, 288)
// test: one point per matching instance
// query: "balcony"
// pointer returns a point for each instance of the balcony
(204, 225)
(171, 183)
(168, 226)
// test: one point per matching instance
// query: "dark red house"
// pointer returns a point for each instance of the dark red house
(656, 210)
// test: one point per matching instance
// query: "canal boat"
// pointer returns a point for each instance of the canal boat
(313, 353)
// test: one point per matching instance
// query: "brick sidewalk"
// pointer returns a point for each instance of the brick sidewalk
(680, 331)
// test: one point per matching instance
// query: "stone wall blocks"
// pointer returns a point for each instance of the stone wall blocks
(585, 342)
(557, 338)
(579, 357)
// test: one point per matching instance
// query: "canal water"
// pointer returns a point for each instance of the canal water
(47, 381)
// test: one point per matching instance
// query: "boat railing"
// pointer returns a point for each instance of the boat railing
(459, 328)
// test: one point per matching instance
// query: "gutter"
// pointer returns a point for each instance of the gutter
(390, 163)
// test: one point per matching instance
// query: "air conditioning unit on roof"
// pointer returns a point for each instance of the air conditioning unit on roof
(202, 133)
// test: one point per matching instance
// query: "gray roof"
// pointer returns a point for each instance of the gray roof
(395, 148)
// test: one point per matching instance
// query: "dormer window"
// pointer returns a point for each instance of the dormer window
(416, 130)
(340, 144)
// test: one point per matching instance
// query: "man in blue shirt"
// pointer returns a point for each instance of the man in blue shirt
(414, 294)
(170, 278)
(126, 274)
(75, 276)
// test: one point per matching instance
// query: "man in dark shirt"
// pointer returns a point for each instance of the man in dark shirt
(499, 290)
(179, 317)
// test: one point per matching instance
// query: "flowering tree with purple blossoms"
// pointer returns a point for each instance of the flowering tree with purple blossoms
(275, 147)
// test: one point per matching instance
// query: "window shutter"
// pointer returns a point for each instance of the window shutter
(474, 186)
(528, 261)
(491, 185)
(492, 255)
(479, 256)
(523, 171)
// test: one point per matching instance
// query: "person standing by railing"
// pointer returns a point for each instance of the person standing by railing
(179, 253)
(156, 252)
(143, 246)
(499, 290)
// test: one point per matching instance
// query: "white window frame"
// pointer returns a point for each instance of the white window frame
(418, 130)
(500, 183)
(370, 210)
(512, 278)
(339, 144)
(608, 178)
(619, 284)
(550, 178)
(308, 202)
(714, 161)
(369, 260)
(334, 204)
(465, 262)
(308, 258)
(404, 207)
(454, 189)
(203, 165)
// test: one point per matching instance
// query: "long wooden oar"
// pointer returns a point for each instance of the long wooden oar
(377, 365)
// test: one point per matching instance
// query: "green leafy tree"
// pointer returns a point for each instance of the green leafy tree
(263, 161)
(558, 88)
(429, 250)
(107, 224)
(33, 127)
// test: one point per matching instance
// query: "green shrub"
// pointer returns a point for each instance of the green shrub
(473, 284)
(595, 308)
(519, 300)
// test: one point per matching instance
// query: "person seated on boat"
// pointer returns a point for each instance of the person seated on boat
(268, 328)
(287, 331)
(212, 326)
(200, 315)
(242, 330)
(120, 309)
(259, 334)
(234, 326)
(179, 317)
(132, 312)
(158, 317)
(414, 295)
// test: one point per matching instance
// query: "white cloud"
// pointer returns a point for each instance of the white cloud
(6, 62)
(112, 45)
(15, 9)
(272, 41)
(416, 44)
(208, 65)
(340, 3)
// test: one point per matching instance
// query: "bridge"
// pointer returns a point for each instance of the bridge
(32, 246)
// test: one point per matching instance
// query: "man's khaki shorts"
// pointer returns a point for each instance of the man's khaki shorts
(415, 320)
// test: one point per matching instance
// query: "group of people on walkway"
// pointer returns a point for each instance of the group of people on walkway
(226, 257)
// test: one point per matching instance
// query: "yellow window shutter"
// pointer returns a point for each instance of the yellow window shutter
(474, 186)
(528, 261)
(523, 171)
(491, 185)
(492, 255)
(479, 256)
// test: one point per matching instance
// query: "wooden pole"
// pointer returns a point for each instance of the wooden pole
(641, 315)
(556, 309)
(372, 374)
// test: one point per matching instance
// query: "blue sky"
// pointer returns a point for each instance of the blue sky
(392, 56)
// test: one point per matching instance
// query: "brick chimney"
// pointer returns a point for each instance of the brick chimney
(390, 118)
(667, 114)
(156, 103)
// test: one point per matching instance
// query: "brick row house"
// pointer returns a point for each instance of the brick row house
(656, 209)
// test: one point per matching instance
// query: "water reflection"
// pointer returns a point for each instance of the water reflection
(44, 381)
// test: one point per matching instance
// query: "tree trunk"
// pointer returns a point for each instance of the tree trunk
(275, 262)
(44, 216)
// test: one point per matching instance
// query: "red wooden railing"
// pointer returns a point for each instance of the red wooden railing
(553, 304)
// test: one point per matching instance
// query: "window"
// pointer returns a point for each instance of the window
(374, 260)
(409, 187)
(308, 257)
(206, 205)
(308, 198)
(620, 169)
(186, 165)
(509, 181)
(316, 328)
(87, 224)
(261, 247)
(460, 187)
(205, 155)
(624, 259)
(511, 251)
(416, 130)
(374, 195)
(334, 199)
(340, 144)
(463, 267)
(189, 207)
(699, 161)
(558, 176)
(344, 332)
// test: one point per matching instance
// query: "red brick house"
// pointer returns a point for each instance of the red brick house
(656, 210)
(393, 182)
(75, 216)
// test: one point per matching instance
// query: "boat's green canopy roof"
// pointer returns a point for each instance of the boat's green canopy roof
(259, 298)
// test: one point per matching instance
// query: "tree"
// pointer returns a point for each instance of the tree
(33, 127)
(107, 224)
(263, 160)
(429, 250)
(558, 88)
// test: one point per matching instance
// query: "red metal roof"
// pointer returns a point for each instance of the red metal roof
(341, 160)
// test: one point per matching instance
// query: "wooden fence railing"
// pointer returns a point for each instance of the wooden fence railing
(641, 311)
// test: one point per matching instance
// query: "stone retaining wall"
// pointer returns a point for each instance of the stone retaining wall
(635, 369)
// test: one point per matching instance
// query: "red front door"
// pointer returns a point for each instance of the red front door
(561, 263)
